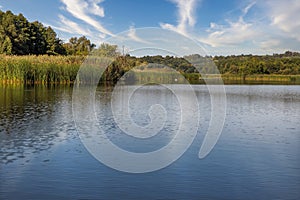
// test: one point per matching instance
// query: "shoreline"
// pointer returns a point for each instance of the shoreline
(62, 70)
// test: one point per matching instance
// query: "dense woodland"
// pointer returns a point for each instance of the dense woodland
(287, 63)
(18, 36)
(32, 42)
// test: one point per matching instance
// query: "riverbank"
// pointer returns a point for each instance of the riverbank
(39, 69)
(274, 79)
(63, 70)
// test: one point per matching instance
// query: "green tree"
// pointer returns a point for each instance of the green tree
(18, 36)
(6, 46)
(107, 50)
(54, 44)
(38, 39)
(79, 46)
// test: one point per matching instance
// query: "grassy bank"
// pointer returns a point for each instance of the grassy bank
(39, 69)
(195, 78)
(261, 78)
(63, 70)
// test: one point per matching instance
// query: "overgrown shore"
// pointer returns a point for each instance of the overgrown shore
(31, 53)
(39, 69)
(46, 69)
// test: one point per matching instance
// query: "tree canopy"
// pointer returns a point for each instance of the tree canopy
(287, 63)
(18, 36)
(79, 46)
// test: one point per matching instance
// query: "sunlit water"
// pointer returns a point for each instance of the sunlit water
(256, 157)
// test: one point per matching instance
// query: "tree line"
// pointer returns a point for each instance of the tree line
(287, 63)
(18, 36)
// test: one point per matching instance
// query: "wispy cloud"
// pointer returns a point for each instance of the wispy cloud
(248, 7)
(266, 44)
(285, 16)
(260, 26)
(186, 16)
(233, 33)
(69, 26)
(236, 33)
(133, 36)
(84, 10)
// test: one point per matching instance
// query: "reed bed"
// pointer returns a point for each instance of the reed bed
(39, 69)
(63, 70)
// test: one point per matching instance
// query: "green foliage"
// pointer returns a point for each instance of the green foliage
(20, 37)
(39, 69)
(54, 45)
(6, 46)
(178, 63)
(63, 69)
(287, 64)
(107, 50)
(79, 46)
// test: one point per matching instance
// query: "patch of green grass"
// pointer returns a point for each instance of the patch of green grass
(39, 69)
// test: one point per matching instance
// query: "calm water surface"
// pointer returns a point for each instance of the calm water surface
(256, 157)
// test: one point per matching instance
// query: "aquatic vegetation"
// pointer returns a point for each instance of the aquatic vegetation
(39, 69)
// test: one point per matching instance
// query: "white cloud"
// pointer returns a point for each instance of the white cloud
(266, 44)
(84, 9)
(95, 9)
(186, 16)
(69, 26)
(248, 7)
(233, 33)
(133, 36)
(285, 16)
(272, 25)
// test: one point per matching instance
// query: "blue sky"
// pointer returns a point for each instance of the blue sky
(221, 26)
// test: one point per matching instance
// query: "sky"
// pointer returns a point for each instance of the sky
(222, 27)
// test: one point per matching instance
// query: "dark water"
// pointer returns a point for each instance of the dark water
(256, 157)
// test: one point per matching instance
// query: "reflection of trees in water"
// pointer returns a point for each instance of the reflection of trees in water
(32, 120)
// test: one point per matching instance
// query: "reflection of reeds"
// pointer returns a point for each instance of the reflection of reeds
(39, 69)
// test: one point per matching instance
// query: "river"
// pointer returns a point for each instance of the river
(256, 157)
